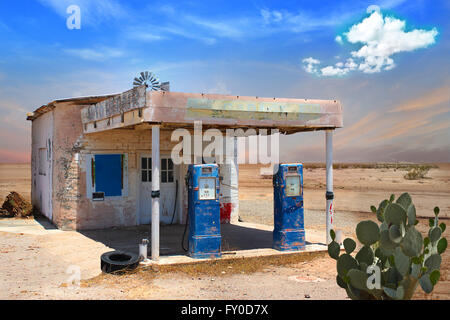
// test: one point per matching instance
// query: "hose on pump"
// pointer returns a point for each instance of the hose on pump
(186, 180)
(175, 202)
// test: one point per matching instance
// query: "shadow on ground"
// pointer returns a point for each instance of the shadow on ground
(127, 239)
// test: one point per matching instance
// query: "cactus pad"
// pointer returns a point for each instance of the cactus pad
(394, 214)
(367, 232)
(349, 245)
(412, 242)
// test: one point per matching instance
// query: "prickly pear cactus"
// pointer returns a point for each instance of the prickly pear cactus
(394, 257)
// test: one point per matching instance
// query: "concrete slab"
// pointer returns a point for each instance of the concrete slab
(37, 226)
(249, 240)
(239, 240)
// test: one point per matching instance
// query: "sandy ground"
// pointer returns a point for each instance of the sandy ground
(46, 272)
(355, 189)
(37, 265)
(15, 177)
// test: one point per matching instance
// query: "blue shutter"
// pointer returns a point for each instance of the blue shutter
(108, 174)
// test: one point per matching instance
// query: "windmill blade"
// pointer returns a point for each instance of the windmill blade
(150, 80)
(165, 86)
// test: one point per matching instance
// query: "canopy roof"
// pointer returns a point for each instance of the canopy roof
(140, 108)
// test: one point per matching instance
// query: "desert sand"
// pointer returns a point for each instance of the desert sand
(15, 177)
(355, 189)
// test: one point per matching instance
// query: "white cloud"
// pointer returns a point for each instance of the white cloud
(373, 8)
(144, 35)
(100, 54)
(384, 36)
(381, 38)
(92, 11)
(219, 88)
(339, 69)
(350, 64)
(182, 32)
(226, 29)
(172, 20)
(271, 16)
(265, 15)
(339, 40)
(333, 71)
(310, 64)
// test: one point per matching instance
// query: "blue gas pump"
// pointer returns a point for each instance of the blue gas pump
(205, 240)
(289, 231)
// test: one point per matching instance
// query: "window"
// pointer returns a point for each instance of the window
(166, 170)
(108, 174)
(42, 161)
(146, 169)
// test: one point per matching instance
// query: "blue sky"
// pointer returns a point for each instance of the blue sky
(395, 96)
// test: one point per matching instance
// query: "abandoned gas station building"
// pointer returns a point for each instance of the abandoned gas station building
(93, 158)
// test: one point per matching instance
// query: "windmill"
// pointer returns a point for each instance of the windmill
(150, 80)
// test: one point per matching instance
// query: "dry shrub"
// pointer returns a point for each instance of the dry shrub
(417, 172)
(16, 206)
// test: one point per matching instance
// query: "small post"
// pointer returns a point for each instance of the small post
(155, 192)
(329, 195)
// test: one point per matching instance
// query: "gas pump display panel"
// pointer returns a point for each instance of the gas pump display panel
(207, 188)
(293, 186)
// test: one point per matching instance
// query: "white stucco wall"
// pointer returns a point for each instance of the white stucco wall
(41, 163)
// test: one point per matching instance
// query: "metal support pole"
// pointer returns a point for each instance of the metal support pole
(155, 192)
(329, 171)
(235, 183)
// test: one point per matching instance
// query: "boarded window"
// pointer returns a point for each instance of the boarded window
(42, 161)
(108, 174)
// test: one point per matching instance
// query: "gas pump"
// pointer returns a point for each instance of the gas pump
(289, 231)
(204, 211)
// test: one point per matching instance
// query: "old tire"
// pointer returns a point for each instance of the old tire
(118, 261)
